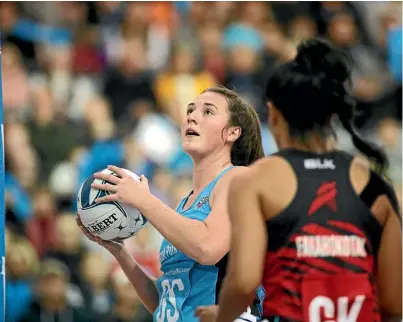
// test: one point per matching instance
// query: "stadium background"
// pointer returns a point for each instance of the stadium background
(91, 84)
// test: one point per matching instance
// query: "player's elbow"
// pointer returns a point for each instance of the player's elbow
(209, 250)
(242, 284)
(249, 285)
(207, 255)
(392, 307)
(390, 299)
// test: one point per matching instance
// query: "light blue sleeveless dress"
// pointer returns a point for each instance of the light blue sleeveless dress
(186, 284)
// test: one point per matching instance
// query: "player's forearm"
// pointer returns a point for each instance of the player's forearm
(188, 235)
(233, 301)
(144, 284)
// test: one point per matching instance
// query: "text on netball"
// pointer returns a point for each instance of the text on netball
(104, 224)
(330, 246)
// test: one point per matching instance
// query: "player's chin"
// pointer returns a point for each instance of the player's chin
(190, 147)
(194, 150)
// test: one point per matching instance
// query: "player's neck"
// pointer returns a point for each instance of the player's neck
(206, 169)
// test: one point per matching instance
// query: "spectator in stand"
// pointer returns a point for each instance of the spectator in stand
(21, 170)
(9, 18)
(183, 81)
(22, 264)
(68, 249)
(373, 83)
(130, 80)
(255, 14)
(323, 11)
(51, 297)
(371, 77)
(212, 55)
(15, 83)
(127, 306)
(41, 228)
(273, 43)
(287, 11)
(95, 271)
(87, 58)
(244, 76)
(302, 28)
(22, 160)
(47, 130)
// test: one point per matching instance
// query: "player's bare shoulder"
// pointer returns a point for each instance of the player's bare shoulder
(271, 171)
(222, 186)
(275, 181)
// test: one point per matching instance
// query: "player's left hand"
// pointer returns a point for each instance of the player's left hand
(124, 188)
(207, 313)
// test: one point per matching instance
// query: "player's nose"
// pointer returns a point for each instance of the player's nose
(192, 117)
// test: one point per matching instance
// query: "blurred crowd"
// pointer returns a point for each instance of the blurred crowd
(88, 84)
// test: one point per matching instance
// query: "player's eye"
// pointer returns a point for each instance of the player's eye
(189, 111)
(208, 112)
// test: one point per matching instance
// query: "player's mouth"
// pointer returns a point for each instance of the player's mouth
(191, 132)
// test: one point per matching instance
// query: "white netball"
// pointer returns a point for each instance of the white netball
(109, 220)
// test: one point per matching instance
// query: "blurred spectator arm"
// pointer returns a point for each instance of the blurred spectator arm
(18, 200)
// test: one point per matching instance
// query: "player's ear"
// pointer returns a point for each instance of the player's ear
(234, 132)
(271, 113)
(275, 116)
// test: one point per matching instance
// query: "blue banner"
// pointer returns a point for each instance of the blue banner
(2, 206)
(395, 52)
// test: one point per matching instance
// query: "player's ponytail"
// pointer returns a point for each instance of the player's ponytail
(373, 152)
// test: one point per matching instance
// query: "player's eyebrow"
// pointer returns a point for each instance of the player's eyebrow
(211, 104)
(205, 104)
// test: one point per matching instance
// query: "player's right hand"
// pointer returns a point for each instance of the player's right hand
(114, 247)
(207, 313)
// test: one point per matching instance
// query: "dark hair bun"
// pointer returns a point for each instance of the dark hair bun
(323, 62)
(311, 88)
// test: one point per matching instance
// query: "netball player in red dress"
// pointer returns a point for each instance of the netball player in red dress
(320, 229)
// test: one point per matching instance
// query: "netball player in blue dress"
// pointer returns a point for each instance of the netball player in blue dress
(221, 133)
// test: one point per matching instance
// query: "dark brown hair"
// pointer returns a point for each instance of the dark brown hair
(248, 147)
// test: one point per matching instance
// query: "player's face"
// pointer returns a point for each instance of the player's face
(278, 126)
(202, 128)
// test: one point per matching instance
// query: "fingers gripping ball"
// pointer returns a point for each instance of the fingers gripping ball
(108, 220)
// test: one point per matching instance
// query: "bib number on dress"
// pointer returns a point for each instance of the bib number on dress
(338, 299)
(168, 305)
